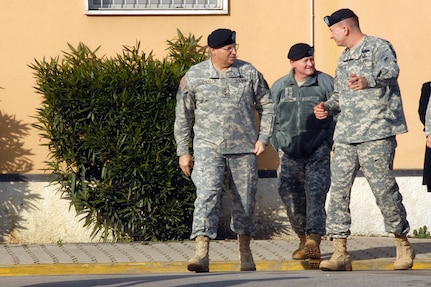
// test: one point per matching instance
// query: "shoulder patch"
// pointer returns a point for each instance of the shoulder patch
(182, 85)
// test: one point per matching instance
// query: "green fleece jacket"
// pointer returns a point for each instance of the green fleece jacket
(297, 131)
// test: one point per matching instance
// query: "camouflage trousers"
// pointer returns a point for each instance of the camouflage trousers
(375, 159)
(208, 175)
(303, 186)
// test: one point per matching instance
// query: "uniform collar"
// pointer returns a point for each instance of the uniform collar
(311, 80)
(355, 52)
(231, 72)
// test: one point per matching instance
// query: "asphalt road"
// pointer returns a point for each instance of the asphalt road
(309, 278)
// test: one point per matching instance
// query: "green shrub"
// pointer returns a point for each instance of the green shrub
(421, 233)
(108, 124)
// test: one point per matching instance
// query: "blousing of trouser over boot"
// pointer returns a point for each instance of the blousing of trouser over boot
(340, 259)
(200, 262)
(405, 253)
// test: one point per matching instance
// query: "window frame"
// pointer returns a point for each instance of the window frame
(223, 10)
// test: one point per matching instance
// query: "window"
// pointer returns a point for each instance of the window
(155, 7)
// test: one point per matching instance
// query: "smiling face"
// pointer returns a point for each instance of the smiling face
(303, 67)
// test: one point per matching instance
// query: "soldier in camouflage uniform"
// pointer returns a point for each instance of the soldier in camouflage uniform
(304, 145)
(219, 98)
(370, 114)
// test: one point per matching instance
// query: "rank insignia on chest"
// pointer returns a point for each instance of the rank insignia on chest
(288, 91)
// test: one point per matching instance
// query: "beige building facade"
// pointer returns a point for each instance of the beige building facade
(265, 30)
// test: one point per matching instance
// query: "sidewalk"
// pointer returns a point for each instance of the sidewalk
(367, 253)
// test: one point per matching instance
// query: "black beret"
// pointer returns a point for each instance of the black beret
(221, 37)
(338, 16)
(299, 51)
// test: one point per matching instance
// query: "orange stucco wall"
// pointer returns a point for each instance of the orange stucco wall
(266, 29)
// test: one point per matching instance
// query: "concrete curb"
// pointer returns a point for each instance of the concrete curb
(181, 267)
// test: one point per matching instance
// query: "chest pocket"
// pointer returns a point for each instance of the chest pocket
(211, 94)
(207, 95)
(313, 94)
(361, 65)
(240, 91)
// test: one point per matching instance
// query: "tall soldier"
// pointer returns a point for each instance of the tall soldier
(304, 145)
(219, 98)
(368, 102)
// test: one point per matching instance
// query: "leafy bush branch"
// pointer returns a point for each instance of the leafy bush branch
(422, 232)
(108, 125)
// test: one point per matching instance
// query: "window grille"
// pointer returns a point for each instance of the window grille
(155, 7)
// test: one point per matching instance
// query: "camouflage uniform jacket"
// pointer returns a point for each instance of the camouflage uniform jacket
(223, 108)
(297, 131)
(375, 112)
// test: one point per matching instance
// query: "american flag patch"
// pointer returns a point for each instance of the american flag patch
(182, 84)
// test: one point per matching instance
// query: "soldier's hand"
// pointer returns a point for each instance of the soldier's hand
(320, 111)
(186, 164)
(356, 82)
(429, 141)
(259, 147)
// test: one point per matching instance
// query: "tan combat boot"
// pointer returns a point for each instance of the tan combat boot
(312, 250)
(245, 256)
(200, 262)
(299, 254)
(340, 260)
(405, 253)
